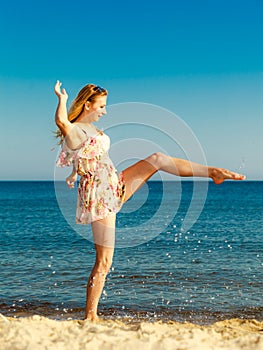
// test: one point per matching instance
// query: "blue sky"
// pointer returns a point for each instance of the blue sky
(202, 60)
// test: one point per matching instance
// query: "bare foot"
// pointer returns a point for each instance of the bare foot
(219, 175)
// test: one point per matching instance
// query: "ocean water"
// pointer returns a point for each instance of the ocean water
(210, 271)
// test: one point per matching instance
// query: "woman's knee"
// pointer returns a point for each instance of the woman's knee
(104, 264)
(157, 159)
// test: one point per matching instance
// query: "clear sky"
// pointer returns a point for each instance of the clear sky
(202, 60)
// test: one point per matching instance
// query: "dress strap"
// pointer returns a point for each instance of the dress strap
(85, 132)
(98, 133)
(93, 136)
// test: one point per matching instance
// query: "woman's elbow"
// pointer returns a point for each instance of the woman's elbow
(58, 122)
(63, 128)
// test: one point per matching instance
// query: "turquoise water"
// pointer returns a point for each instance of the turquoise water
(212, 271)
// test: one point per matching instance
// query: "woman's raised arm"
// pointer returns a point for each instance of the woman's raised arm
(61, 116)
(74, 136)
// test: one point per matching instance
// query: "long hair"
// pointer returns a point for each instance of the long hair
(88, 93)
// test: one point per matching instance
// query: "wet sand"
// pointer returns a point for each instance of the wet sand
(38, 332)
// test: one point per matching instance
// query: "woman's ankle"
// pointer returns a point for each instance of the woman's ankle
(93, 318)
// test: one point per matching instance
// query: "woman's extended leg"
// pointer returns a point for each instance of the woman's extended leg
(136, 175)
(104, 238)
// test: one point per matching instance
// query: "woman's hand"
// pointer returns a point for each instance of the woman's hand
(61, 116)
(61, 94)
(71, 179)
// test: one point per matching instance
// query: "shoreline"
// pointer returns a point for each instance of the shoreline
(39, 332)
(68, 311)
(131, 316)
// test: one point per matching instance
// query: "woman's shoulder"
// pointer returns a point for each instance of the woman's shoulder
(91, 131)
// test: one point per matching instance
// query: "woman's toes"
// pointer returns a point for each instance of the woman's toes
(219, 175)
(239, 176)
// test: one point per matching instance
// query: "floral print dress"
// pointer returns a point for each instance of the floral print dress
(101, 190)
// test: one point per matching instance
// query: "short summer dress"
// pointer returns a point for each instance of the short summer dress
(101, 190)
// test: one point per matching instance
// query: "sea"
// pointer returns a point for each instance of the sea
(188, 251)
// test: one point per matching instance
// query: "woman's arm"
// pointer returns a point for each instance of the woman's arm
(61, 116)
(74, 137)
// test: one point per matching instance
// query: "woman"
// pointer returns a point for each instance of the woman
(101, 191)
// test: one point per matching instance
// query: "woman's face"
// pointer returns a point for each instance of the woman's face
(98, 107)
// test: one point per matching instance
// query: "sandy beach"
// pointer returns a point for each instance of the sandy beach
(39, 332)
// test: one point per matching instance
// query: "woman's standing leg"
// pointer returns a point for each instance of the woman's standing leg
(104, 239)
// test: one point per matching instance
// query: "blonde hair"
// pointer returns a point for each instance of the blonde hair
(88, 93)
